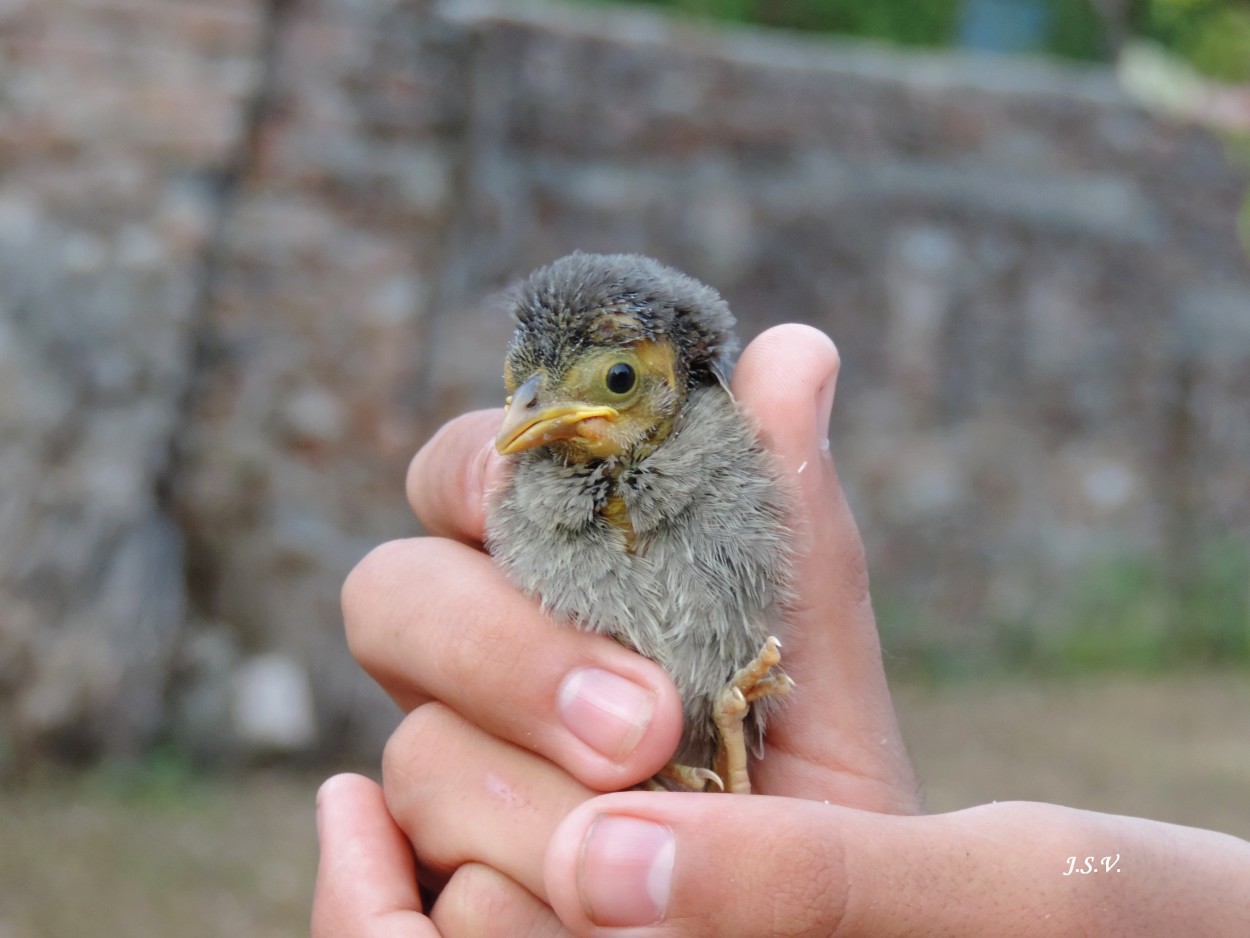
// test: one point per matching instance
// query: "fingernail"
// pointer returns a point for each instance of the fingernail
(625, 871)
(484, 472)
(325, 792)
(491, 469)
(605, 711)
(824, 410)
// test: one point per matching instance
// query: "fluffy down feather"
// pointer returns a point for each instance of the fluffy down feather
(702, 582)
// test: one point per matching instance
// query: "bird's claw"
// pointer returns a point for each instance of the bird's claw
(685, 776)
(757, 680)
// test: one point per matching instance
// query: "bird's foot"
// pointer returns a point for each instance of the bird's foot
(757, 680)
(762, 678)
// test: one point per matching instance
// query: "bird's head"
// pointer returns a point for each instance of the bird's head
(607, 349)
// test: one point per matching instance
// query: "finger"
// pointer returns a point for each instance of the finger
(463, 796)
(366, 877)
(685, 865)
(839, 739)
(433, 619)
(696, 865)
(450, 475)
(479, 902)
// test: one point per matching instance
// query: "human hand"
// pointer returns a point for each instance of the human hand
(692, 861)
(367, 882)
(505, 670)
(520, 755)
(501, 664)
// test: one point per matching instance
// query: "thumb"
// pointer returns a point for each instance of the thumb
(648, 865)
(838, 737)
(651, 865)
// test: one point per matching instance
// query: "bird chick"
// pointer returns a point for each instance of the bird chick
(640, 502)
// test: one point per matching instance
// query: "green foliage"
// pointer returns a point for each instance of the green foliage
(1076, 31)
(1214, 35)
(931, 23)
(922, 24)
(163, 778)
(1129, 613)
(1118, 620)
(1134, 614)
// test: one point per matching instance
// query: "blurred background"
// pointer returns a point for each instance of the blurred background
(246, 251)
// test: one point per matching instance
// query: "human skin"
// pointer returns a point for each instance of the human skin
(516, 725)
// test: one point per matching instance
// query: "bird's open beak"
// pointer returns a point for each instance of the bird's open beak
(526, 424)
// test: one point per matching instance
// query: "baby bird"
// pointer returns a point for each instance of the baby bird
(640, 503)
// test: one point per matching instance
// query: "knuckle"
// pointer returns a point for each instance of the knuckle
(374, 589)
(370, 577)
(476, 901)
(409, 625)
(429, 728)
(413, 782)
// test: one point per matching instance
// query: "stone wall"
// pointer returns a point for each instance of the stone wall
(245, 254)
(116, 123)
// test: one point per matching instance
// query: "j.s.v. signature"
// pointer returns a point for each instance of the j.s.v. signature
(1091, 865)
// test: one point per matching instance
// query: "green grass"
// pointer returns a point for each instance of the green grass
(1129, 613)
(1134, 613)
(166, 776)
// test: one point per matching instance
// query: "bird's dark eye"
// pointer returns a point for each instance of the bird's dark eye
(620, 378)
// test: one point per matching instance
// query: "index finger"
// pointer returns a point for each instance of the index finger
(449, 477)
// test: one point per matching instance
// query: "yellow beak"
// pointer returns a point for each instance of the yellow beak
(527, 425)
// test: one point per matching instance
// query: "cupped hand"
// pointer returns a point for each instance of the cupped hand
(515, 726)
(532, 719)
(434, 619)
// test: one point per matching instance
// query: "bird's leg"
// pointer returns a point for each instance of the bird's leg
(758, 679)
